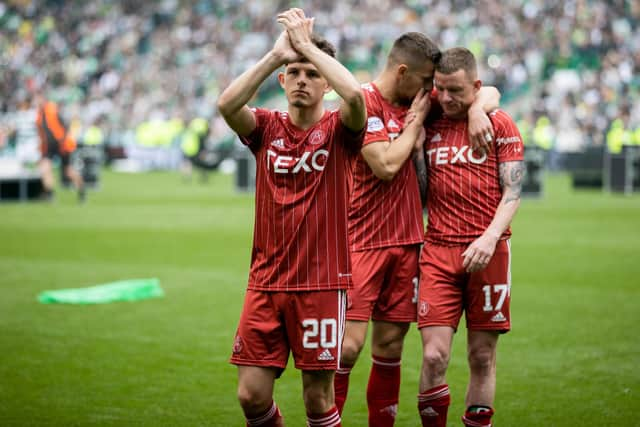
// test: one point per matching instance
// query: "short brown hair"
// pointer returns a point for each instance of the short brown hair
(413, 49)
(458, 58)
(322, 44)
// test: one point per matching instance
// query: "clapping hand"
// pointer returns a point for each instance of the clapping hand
(298, 28)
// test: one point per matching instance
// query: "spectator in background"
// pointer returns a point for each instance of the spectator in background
(6, 134)
(55, 141)
(125, 60)
(192, 144)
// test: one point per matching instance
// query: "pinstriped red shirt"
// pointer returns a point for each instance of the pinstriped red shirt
(383, 213)
(464, 186)
(300, 232)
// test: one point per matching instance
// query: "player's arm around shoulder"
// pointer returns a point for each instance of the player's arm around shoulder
(481, 131)
(385, 158)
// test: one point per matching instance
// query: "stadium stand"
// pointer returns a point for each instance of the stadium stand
(129, 64)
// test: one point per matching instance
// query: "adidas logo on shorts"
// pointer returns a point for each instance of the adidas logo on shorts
(499, 317)
(325, 355)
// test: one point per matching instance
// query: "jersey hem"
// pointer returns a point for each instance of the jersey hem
(302, 288)
(388, 245)
(459, 243)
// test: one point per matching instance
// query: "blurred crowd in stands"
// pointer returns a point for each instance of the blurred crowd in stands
(124, 67)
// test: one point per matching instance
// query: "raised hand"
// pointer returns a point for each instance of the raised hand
(480, 131)
(420, 106)
(298, 27)
(417, 113)
(283, 49)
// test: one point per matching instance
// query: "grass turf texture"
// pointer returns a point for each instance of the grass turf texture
(571, 359)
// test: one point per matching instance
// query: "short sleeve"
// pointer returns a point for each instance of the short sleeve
(376, 131)
(352, 140)
(507, 137)
(254, 139)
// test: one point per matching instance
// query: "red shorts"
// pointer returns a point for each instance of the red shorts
(446, 289)
(309, 324)
(385, 284)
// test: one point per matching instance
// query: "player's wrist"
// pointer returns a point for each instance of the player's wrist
(306, 48)
(275, 58)
(475, 109)
(493, 235)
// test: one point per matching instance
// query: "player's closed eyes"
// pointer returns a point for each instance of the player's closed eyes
(310, 74)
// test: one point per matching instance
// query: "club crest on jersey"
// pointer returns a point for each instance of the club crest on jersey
(316, 137)
(374, 124)
(308, 162)
(453, 155)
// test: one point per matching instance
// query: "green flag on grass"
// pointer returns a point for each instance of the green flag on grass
(124, 290)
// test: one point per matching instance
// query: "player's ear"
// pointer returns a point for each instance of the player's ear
(281, 79)
(327, 88)
(401, 71)
(477, 84)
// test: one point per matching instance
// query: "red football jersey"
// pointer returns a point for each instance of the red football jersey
(383, 213)
(464, 186)
(300, 238)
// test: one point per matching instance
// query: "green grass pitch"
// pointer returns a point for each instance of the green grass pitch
(572, 359)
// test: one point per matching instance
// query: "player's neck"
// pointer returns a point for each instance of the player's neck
(462, 116)
(305, 117)
(385, 83)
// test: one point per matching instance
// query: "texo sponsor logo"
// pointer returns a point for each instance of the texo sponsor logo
(452, 155)
(287, 164)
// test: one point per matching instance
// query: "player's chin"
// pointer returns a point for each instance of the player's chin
(299, 102)
(452, 110)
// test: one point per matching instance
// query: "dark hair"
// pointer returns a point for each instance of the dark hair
(457, 58)
(413, 48)
(322, 44)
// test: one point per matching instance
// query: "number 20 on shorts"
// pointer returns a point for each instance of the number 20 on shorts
(320, 333)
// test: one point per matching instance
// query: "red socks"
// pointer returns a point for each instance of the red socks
(271, 418)
(383, 391)
(329, 419)
(478, 416)
(433, 405)
(341, 385)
